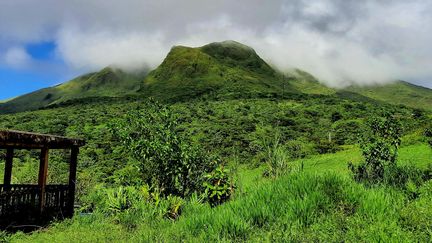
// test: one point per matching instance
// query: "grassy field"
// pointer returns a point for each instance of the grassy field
(419, 155)
(318, 203)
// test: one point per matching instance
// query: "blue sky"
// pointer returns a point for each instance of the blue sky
(41, 68)
(341, 42)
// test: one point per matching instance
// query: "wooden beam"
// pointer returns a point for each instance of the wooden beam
(26, 140)
(8, 168)
(43, 173)
(72, 180)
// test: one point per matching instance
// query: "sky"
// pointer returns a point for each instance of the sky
(341, 42)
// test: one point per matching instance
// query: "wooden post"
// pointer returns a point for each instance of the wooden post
(72, 180)
(43, 172)
(8, 168)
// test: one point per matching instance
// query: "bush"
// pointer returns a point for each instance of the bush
(407, 177)
(325, 147)
(346, 131)
(298, 149)
(121, 199)
(218, 186)
(428, 134)
(379, 144)
(165, 161)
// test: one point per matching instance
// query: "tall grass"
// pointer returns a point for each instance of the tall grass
(296, 207)
(276, 158)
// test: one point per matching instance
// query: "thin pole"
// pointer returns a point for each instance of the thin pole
(72, 180)
(8, 168)
(43, 173)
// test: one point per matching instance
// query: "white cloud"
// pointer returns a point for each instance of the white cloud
(17, 57)
(101, 49)
(340, 41)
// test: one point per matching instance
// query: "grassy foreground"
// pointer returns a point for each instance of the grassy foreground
(316, 204)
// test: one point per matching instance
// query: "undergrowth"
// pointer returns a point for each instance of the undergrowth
(300, 206)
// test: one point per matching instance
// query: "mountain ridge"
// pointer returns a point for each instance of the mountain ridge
(218, 69)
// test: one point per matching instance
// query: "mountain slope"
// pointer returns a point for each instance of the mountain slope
(308, 84)
(108, 82)
(219, 70)
(397, 93)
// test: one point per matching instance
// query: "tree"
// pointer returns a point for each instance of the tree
(166, 161)
(379, 144)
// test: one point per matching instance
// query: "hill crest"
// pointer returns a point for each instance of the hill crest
(218, 70)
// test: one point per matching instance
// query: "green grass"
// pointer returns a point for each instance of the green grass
(398, 93)
(298, 207)
(320, 203)
(419, 155)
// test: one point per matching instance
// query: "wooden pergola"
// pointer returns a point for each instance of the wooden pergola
(30, 204)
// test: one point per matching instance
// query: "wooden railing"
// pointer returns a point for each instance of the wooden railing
(56, 196)
(23, 202)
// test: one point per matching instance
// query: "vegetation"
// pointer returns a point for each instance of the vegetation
(231, 150)
(398, 93)
(109, 82)
(295, 207)
(159, 156)
(218, 70)
(379, 144)
(219, 186)
(428, 134)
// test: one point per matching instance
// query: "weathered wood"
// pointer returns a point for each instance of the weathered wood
(21, 203)
(26, 140)
(8, 168)
(72, 180)
(36, 203)
(43, 172)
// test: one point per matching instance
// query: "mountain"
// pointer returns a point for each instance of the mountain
(225, 68)
(397, 93)
(218, 70)
(109, 82)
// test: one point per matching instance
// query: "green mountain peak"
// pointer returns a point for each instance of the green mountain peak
(226, 69)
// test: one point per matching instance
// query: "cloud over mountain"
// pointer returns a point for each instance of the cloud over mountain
(340, 41)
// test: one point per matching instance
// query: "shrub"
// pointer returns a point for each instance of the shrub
(428, 134)
(325, 147)
(298, 149)
(416, 216)
(336, 116)
(175, 205)
(218, 186)
(121, 199)
(166, 161)
(406, 177)
(276, 158)
(379, 145)
(346, 131)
